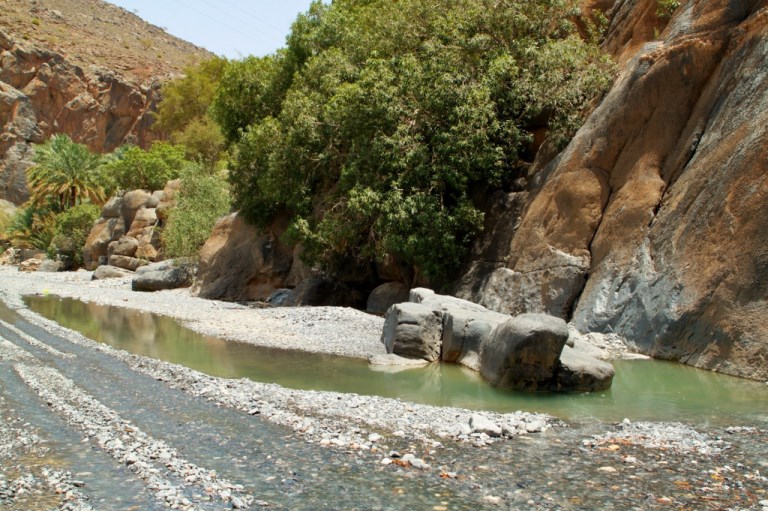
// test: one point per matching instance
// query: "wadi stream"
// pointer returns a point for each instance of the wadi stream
(642, 389)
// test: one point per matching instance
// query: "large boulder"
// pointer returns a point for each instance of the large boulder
(385, 296)
(171, 274)
(413, 330)
(465, 333)
(125, 246)
(125, 262)
(524, 352)
(578, 371)
(97, 244)
(241, 262)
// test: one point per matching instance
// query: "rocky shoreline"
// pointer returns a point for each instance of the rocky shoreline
(389, 434)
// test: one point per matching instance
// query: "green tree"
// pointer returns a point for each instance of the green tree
(201, 200)
(374, 124)
(132, 168)
(65, 172)
(188, 98)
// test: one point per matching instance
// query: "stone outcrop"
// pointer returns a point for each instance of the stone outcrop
(42, 93)
(127, 233)
(525, 352)
(651, 222)
(240, 262)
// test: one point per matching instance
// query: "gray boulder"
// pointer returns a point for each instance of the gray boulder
(464, 333)
(385, 296)
(110, 272)
(524, 351)
(281, 297)
(413, 330)
(577, 370)
(170, 274)
(51, 266)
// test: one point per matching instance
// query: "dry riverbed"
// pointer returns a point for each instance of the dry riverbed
(142, 418)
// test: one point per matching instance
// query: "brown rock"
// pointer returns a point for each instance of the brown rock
(239, 262)
(125, 246)
(126, 263)
(144, 219)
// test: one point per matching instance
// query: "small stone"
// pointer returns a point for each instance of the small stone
(493, 500)
(609, 470)
(386, 461)
(374, 437)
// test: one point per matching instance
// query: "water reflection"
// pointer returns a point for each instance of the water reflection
(642, 390)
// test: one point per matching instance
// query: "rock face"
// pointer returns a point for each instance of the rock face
(526, 352)
(41, 93)
(239, 262)
(651, 222)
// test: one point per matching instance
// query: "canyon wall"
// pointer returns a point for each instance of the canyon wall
(42, 93)
(652, 222)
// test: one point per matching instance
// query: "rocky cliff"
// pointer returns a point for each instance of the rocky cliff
(64, 68)
(652, 223)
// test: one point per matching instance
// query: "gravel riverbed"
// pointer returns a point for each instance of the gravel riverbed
(422, 456)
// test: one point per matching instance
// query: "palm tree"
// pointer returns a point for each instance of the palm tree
(65, 172)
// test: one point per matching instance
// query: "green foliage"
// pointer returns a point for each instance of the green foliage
(665, 8)
(131, 167)
(65, 174)
(378, 118)
(250, 89)
(31, 227)
(201, 200)
(71, 230)
(202, 141)
(187, 99)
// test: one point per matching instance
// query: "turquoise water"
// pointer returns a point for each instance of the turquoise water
(642, 389)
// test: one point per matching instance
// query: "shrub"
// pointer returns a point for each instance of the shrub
(71, 230)
(132, 168)
(31, 227)
(201, 200)
(665, 8)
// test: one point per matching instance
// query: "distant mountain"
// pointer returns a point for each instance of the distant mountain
(96, 33)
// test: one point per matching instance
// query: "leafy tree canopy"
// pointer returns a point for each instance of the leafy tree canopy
(65, 174)
(132, 168)
(378, 118)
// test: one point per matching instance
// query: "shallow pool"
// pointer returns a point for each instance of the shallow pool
(642, 389)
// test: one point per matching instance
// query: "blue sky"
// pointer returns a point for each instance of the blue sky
(233, 28)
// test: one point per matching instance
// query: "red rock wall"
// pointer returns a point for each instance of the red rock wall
(41, 94)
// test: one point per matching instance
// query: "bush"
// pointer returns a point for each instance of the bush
(31, 227)
(133, 168)
(201, 200)
(375, 122)
(665, 8)
(71, 232)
